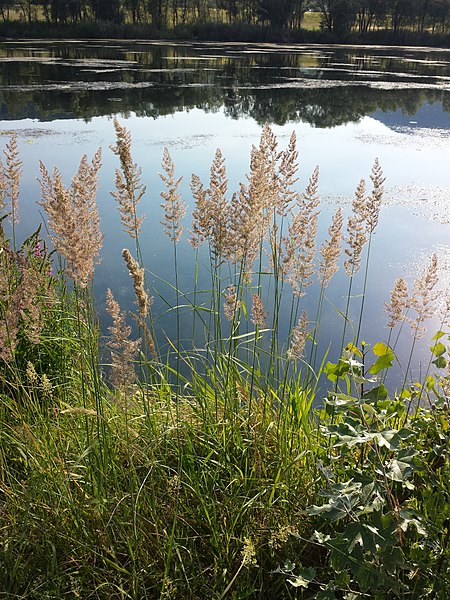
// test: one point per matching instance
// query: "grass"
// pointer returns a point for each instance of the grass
(216, 472)
(311, 21)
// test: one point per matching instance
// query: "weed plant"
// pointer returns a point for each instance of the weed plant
(215, 470)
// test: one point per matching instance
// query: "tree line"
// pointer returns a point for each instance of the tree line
(338, 16)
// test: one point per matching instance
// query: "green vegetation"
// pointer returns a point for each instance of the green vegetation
(399, 21)
(215, 471)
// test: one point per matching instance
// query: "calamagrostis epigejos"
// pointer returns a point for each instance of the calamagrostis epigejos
(174, 207)
(299, 337)
(252, 208)
(123, 350)
(300, 247)
(399, 302)
(259, 315)
(26, 293)
(10, 179)
(73, 217)
(331, 250)
(424, 296)
(231, 304)
(357, 230)
(137, 275)
(9, 314)
(375, 199)
(210, 217)
(287, 177)
(128, 182)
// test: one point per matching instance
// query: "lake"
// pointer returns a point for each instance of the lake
(347, 105)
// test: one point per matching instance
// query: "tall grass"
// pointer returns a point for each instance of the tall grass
(215, 472)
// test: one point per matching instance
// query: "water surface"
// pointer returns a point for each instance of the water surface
(347, 106)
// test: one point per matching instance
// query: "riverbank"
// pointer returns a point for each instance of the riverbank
(217, 470)
(220, 32)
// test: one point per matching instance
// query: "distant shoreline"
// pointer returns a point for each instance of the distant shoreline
(217, 32)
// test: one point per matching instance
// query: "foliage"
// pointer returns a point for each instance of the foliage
(213, 471)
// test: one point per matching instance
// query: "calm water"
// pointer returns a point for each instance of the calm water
(347, 105)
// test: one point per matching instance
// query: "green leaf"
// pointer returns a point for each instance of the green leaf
(411, 518)
(440, 362)
(335, 371)
(385, 358)
(326, 594)
(354, 349)
(401, 468)
(377, 393)
(304, 578)
(438, 349)
(381, 349)
(438, 335)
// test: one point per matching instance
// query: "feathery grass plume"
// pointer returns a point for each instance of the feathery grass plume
(137, 274)
(287, 177)
(217, 192)
(299, 337)
(150, 342)
(251, 210)
(232, 303)
(331, 250)
(375, 199)
(174, 207)
(357, 230)
(300, 247)
(34, 294)
(73, 217)
(3, 188)
(210, 218)
(128, 182)
(399, 302)
(259, 315)
(423, 297)
(201, 216)
(11, 177)
(123, 350)
(9, 313)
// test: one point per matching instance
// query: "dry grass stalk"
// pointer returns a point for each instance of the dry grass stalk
(299, 337)
(331, 250)
(123, 350)
(210, 218)
(137, 275)
(128, 184)
(398, 304)
(35, 295)
(73, 217)
(252, 208)
(288, 177)
(357, 230)
(11, 176)
(423, 297)
(150, 343)
(300, 247)
(232, 303)
(9, 315)
(200, 215)
(174, 207)
(259, 315)
(3, 188)
(376, 198)
(26, 293)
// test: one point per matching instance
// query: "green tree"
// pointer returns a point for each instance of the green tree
(277, 12)
(338, 15)
(369, 13)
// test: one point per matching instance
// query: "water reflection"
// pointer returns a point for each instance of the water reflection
(199, 97)
(324, 87)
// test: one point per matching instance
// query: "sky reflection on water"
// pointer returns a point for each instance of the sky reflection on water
(411, 140)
